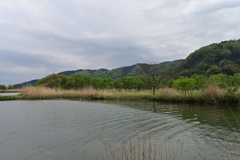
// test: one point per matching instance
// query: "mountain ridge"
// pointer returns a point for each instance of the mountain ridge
(114, 73)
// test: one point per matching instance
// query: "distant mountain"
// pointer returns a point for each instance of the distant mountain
(25, 84)
(117, 72)
(84, 72)
(216, 58)
(114, 73)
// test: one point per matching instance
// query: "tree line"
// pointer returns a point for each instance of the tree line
(141, 82)
(3, 87)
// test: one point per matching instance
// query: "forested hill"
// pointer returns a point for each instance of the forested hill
(24, 84)
(117, 72)
(216, 58)
(114, 73)
(86, 72)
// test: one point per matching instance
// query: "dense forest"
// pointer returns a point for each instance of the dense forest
(213, 59)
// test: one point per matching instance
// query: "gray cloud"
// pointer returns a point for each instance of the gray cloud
(41, 37)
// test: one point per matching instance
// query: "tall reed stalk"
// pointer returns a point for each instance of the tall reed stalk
(133, 148)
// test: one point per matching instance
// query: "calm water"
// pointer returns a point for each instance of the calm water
(72, 130)
(9, 94)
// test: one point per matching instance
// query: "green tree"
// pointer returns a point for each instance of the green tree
(201, 81)
(118, 84)
(78, 82)
(70, 83)
(52, 81)
(3, 87)
(151, 74)
(63, 79)
(127, 82)
(235, 79)
(214, 69)
(163, 84)
(96, 82)
(221, 80)
(185, 84)
(106, 83)
(10, 86)
(170, 83)
(137, 83)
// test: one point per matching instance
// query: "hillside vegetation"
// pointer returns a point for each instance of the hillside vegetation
(114, 73)
(213, 59)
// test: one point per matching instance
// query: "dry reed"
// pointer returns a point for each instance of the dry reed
(212, 91)
(231, 155)
(133, 148)
(168, 92)
(212, 94)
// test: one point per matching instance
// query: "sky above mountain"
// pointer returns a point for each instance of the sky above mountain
(38, 38)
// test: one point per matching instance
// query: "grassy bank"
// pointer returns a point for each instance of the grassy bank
(10, 90)
(210, 95)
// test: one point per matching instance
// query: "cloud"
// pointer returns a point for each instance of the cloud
(42, 37)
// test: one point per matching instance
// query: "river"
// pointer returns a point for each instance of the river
(72, 130)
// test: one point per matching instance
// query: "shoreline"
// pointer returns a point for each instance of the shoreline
(220, 100)
(11, 91)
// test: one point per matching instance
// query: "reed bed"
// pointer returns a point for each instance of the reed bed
(10, 90)
(210, 95)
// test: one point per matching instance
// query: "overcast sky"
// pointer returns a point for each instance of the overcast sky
(40, 37)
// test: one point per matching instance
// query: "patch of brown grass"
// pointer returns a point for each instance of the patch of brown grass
(167, 92)
(213, 93)
(40, 91)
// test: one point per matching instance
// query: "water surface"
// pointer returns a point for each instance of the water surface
(9, 94)
(65, 129)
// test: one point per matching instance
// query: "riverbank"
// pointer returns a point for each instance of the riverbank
(10, 90)
(211, 95)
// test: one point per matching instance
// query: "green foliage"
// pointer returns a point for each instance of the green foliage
(185, 84)
(83, 73)
(96, 82)
(214, 69)
(163, 83)
(218, 58)
(127, 82)
(70, 83)
(52, 81)
(170, 83)
(221, 80)
(10, 86)
(201, 81)
(231, 93)
(235, 79)
(106, 83)
(3, 87)
(78, 82)
(118, 84)
(151, 75)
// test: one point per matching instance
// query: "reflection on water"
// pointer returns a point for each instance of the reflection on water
(72, 129)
